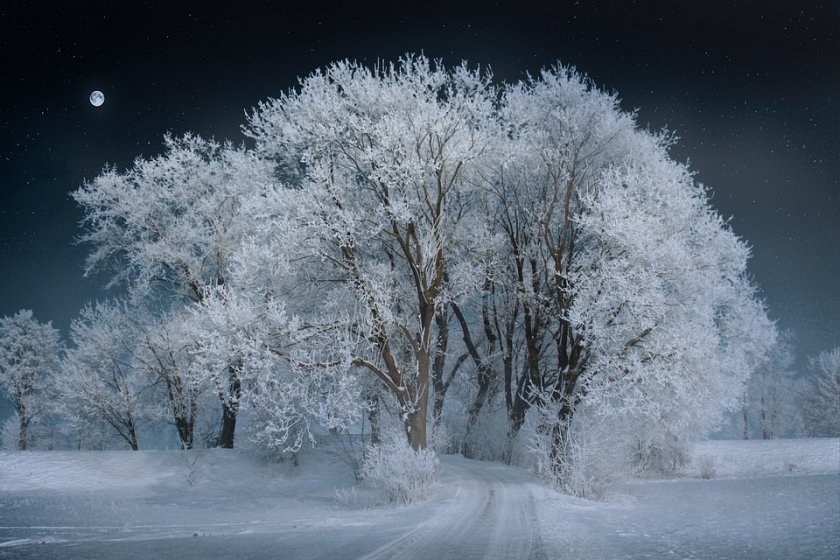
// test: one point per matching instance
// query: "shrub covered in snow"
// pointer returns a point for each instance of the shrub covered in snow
(659, 451)
(405, 475)
(584, 458)
(706, 466)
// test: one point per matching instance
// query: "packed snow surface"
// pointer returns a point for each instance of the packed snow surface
(767, 499)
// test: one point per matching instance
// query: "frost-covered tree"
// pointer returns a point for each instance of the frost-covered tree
(218, 338)
(100, 379)
(611, 284)
(767, 406)
(560, 133)
(819, 395)
(168, 224)
(172, 220)
(671, 328)
(164, 355)
(383, 161)
(286, 388)
(560, 244)
(30, 353)
(412, 224)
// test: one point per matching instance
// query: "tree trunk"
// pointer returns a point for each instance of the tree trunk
(230, 408)
(373, 418)
(184, 426)
(415, 420)
(515, 421)
(23, 440)
(558, 454)
(132, 435)
(514, 425)
(437, 406)
(766, 432)
(559, 441)
(472, 414)
(745, 433)
(417, 413)
(184, 419)
(415, 427)
(226, 434)
(438, 373)
(516, 413)
(484, 375)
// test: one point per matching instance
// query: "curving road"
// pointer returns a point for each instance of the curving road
(490, 514)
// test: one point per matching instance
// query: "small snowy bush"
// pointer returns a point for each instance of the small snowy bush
(659, 452)
(348, 496)
(439, 438)
(706, 466)
(348, 448)
(591, 456)
(403, 474)
(585, 467)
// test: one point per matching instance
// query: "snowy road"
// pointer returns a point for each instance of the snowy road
(490, 514)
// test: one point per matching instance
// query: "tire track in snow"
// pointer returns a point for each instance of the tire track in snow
(491, 515)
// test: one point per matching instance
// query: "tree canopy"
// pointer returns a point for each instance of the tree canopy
(397, 228)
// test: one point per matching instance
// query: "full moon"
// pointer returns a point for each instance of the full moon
(97, 98)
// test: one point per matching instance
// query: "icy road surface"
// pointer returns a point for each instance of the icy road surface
(224, 504)
(490, 513)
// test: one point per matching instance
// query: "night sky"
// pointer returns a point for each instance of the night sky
(750, 88)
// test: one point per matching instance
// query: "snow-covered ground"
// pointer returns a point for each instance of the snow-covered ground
(776, 499)
(768, 499)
